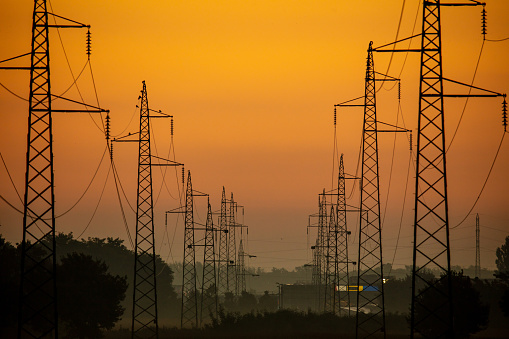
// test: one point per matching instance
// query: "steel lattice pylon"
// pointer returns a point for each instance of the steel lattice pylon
(223, 248)
(370, 269)
(330, 302)
(241, 270)
(477, 247)
(144, 317)
(209, 285)
(320, 249)
(38, 301)
(431, 230)
(189, 298)
(342, 242)
(231, 269)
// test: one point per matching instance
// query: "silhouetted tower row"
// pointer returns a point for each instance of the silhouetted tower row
(370, 269)
(330, 272)
(209, 302)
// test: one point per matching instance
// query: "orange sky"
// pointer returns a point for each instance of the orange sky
(252, 86)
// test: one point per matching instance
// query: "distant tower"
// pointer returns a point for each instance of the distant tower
(232, 249)
(223, 248)
(189, 298)
(370, 269)
(209, 283)
(342, 242)
(320, 248)
(477, 248)
(330, 302)
(241, 270)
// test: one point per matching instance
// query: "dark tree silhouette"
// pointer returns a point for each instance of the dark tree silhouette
(267, 302)
(470, 314)
(9, 287)
(502, 273)
(89, 297)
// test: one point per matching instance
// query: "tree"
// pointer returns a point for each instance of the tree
(267, 302)
(89, 297)
(502, 273)
(9, 287)
(470, 314)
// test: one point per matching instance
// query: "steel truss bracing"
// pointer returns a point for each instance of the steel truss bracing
(431, 231)
(370, 269)
(342, 243)
(189, 297)
(209, 283)
(223, 247)
(38, 302)
(231, 269)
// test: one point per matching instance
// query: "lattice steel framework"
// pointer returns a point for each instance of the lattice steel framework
(38, 300)
(331, 250)
(320, 249)
(144, 317)
(231, 269)
(223, 247)
(315, 273)
(477, 247)
(209, 283)
(241, 270)
(189, 298)
(431, 232)
(342, 242)
(370, 269)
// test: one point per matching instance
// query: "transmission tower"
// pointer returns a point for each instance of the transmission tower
(189, 298)
(223, 247)
(370, 269)
(38, 312)
(209, 283)
(320, 249)
(477, 247)
(241, 270)
(231, 269)
(342, 242)
(331, 264)
(144, 316)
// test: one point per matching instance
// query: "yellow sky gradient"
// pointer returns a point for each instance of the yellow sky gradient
(252, 85)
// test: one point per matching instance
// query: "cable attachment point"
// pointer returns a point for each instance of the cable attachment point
(335, 115)
(484, 22)
(504, 114)
(111, 151)
(107, 129)
(89, 44)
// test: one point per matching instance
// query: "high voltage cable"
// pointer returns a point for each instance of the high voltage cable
(97, 205)
(466, 101)
(17, 96)
(485, 182)
(10, 178)
(115, 175)
(89, 184)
